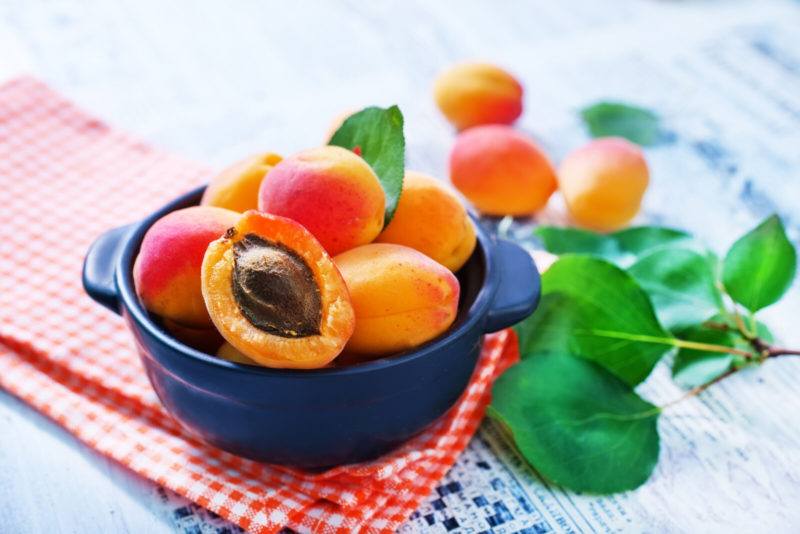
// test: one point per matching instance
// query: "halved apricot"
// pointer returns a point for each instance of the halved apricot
(275, 295)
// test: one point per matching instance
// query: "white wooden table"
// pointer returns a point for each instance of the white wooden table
(216, 81)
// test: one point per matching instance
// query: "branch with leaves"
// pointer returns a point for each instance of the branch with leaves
(612, 307)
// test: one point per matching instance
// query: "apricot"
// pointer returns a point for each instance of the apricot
(401, 298)
(603, 183)
(473, 94)
(166, 272)
(332, 192)
(229, 352)
(236, 188)
(501, 171)
(431, 219)
(275, 295)
(206, 340)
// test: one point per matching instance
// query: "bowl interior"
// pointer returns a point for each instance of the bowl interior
(472, 277)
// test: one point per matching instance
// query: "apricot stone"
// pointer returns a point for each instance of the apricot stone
(472, 94)
(501, 171)
(332, 192)
(166, 272)
(603, 183)
(401, 298)
(236, 188)
(431, 219)
(275, 295)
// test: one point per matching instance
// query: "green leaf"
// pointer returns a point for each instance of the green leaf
(594, 309)
(639, 125)
(760, 266)
(693, 368)
(681, 284)
(577, 424)
(378, 134)
(623, 247)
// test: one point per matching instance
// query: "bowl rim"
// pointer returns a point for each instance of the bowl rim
(132, 307)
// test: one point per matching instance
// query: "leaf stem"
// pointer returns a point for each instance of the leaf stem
(695, 391)
(675, 342)
(710, 347)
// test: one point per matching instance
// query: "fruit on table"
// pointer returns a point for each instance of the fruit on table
(206, 340)
(332, 192)
(431, 219)
(501, 171)
(603, 183)
(232, 354)
(472, 94)
(236, 188)
(401, 298)
(275, 295)
(166, 272)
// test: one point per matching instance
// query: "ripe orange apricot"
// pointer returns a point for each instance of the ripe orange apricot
(236, 188)
(472, 94)
(332, 192)
(603, 183)
(228, 352)
(501, 171)
(401, 298)
(205, 340)
(275, 295)
(166, 272)
(431, 219)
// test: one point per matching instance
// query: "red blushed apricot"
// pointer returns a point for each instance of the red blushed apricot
(401, 298)
(166, 272)
(501, 171)
(206, 340)
(603, 183)
(472, 94)
(431, 219)
(236, 188)
(332, 192)
(275, 295)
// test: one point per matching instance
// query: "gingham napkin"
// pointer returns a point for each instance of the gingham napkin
(66, 177)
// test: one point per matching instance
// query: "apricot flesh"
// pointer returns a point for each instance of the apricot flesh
(331, 191)
(473, 94)
(501, 171)
(401, 297)
(603, 183)
(166, 272)
(431, 219)
(275, 295)
(236, 188)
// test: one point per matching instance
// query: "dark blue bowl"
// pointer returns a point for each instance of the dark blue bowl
(323, 417)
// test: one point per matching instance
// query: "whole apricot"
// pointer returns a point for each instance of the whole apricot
(275, 295)
(401, 298)
(603, 183)
(166, 272)
(501, 171)
(236, 188)
(332, 192)
(472, 94)
(431, 219)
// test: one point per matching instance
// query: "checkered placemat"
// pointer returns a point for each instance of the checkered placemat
(65, 178)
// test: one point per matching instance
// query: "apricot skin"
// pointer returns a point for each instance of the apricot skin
(473, 94)
(236, 188)
(401, 298)
(166, 272)
(432, 220)
(603, 183)
(205, 340)
(332, 192)
(265, 348)
(501, 171)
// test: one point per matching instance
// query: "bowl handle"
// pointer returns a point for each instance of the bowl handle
(99, 266)
(518, 289)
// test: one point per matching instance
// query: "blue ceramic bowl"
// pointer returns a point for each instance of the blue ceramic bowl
(324, 417)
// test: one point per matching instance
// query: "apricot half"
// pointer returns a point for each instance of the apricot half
(401, 298)
(431, 219)
(275, 295)
(236, 188)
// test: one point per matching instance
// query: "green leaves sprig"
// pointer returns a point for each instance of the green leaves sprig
(612, 306)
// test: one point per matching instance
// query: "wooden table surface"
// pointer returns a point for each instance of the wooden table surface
(215, 81)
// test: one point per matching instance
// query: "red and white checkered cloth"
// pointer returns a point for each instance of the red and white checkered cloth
(66, 177)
